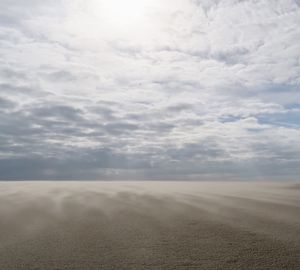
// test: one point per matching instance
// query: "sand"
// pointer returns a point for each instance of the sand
(149, 225)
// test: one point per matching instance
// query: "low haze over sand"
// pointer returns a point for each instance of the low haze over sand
(149, 225)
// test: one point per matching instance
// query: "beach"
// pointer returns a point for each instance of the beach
(149, 225)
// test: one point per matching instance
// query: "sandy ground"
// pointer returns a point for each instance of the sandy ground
(149, 225)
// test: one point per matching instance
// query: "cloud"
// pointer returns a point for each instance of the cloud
(192, 90)
(6, 104)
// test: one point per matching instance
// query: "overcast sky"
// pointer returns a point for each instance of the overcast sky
(150, 89)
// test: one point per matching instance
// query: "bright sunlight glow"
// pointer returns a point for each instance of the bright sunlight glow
(124, 12)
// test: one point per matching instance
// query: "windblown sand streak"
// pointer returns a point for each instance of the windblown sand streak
(149, 225)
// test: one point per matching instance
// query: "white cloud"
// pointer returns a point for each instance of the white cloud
(209, 85)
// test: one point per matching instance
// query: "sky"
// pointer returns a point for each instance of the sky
(150, 90)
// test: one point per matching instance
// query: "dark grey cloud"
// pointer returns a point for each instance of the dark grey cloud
(12, 74)
(61, 75)
(6, 104)
(58, 112)
(13, 89)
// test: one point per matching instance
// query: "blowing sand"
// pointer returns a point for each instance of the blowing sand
(149, 225)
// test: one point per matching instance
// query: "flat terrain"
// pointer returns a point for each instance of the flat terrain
(149, 225)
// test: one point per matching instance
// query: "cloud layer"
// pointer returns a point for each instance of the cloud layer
(191, 89)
